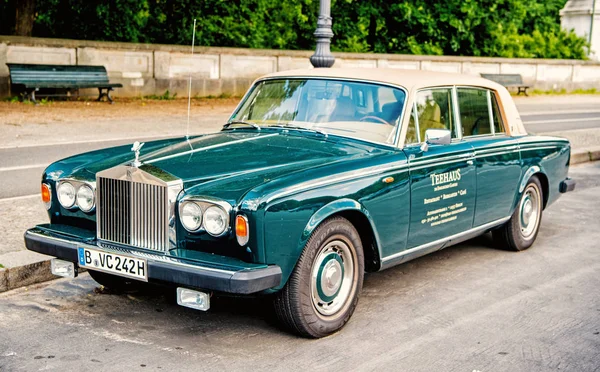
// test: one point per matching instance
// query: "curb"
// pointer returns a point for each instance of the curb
(24, 275)
(584, 156)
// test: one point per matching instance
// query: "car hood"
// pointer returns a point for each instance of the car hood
(238, 160)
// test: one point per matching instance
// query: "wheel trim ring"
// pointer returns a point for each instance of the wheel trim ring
(323, 273)
(529, 219)
(329, 310)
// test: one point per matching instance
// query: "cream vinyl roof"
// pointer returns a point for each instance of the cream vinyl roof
(413, 80)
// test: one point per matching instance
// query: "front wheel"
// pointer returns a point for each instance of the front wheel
(520, 231)
(322, 291)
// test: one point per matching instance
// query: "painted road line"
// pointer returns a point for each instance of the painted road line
(15, 198)
(560, 120)
(91, 141)
(558, 112)
(22, 167)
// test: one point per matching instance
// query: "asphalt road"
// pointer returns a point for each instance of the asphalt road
(467, 308)
(21, 167)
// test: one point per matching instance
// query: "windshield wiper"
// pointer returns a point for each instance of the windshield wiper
(290, 126)
(241, 122)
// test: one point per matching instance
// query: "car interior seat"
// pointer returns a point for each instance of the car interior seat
(391, 111)
(344, 110)
(430, 118)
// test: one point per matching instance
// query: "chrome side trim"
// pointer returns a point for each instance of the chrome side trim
(443, 241)
(352, 175)
(538, 148)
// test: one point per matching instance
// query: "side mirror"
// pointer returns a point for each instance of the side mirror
(436, 137)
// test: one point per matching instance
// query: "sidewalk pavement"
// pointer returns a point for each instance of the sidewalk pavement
(20, 267)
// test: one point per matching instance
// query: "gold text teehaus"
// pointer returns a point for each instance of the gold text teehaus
(437, 179)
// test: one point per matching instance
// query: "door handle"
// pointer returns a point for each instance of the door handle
(470, 162)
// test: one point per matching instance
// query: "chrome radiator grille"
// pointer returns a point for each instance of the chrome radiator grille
(133, 213)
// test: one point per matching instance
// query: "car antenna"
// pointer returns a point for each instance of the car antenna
(187, 129)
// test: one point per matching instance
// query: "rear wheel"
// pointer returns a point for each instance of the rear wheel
(323, 290)
(520, 231)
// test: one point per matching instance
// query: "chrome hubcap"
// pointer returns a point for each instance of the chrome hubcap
(529, 211)
(332, 278)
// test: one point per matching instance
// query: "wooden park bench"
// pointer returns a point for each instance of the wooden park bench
(31, 78)
(509, 81)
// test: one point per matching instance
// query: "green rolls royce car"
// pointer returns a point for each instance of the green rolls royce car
(318, 177)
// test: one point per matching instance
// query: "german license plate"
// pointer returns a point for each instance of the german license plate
(112, 263)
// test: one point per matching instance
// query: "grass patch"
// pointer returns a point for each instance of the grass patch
(220, 96)
(166, 96)
(561, 92)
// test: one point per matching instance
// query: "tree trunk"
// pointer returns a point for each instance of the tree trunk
(25, 16)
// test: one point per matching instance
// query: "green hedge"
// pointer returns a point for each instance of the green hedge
(495, 28)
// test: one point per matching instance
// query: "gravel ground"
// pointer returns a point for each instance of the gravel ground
(23, 124)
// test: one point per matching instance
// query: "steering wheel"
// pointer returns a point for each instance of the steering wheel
(376, 118)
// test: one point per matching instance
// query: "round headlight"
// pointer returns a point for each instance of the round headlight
(191, 216)
(66, 194)
(85, 198)
(215, 220)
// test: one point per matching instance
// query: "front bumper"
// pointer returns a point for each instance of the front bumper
(165, 269)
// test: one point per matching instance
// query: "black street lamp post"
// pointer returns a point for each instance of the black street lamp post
(323, 34)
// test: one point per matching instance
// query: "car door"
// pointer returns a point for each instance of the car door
(442, 178)
(497, 157)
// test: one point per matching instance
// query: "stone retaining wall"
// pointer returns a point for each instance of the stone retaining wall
(146, 69)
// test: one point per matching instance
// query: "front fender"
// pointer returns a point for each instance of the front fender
(331, 209)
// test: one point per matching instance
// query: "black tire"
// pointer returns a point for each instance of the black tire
(115, 283)
(333, 253)
(515, 235)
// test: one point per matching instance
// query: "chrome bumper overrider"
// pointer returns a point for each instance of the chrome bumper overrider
(166, 269)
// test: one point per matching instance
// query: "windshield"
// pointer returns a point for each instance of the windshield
(361, 110)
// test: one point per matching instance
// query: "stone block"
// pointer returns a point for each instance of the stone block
(554, 73)
(243, 66)
(213, 87)
(4, 86)
(579, 157)
(403, 65)
(454, 67)
(586, 74)
(119, 63)
(41, 55)
(292, 63)
(3, 280)
(3, 67)
(29, 274)
(169, 65)
(476, 69)
(355, 63)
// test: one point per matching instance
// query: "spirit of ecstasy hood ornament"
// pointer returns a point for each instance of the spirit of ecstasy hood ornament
(136, 149)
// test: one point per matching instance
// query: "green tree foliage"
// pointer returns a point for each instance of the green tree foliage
(495, 28)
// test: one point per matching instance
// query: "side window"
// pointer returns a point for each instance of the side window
(474, 111)
(498, 124)
(434, 110)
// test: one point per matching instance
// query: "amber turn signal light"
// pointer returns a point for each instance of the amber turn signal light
(46, 195)
(241, 230)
